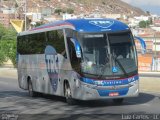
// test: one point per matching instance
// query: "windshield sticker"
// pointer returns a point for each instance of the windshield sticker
(94, 36)
(102, 23)
(114, 69)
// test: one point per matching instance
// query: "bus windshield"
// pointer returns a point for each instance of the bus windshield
(102, 53)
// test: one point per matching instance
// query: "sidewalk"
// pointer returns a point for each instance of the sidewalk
(147, 84)
(8, 72)
(140, 72)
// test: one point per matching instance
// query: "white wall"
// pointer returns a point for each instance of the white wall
(141, 18)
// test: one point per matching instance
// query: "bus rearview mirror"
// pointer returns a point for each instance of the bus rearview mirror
(77, 47)
(142, 42)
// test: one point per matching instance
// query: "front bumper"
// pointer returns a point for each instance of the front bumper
(94, 92)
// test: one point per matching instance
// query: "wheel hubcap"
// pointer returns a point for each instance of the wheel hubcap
(30, 88)
(68, 92)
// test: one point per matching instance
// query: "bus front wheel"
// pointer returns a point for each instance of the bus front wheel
(30, 89)
(68, 94)
(118, 100)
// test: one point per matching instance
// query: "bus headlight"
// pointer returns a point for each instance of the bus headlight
(132, 84)
(90, 86)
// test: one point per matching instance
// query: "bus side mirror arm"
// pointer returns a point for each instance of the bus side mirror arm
(142, 42)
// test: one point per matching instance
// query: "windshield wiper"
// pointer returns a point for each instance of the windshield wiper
(120, 65)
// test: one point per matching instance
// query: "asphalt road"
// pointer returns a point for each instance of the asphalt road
(15, 102)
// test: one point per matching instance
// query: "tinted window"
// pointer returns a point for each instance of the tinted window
(123, 53)
(75, 62)
(56, 39)
(37, 43)
(31, 44)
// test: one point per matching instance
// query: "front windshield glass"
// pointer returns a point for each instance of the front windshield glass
(95, 54)
(102, 52)
(123, 53)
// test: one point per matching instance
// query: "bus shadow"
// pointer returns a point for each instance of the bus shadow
(24, 94)
(51, 97)
(141, 99)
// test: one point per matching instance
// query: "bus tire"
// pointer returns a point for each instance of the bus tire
(68, 95)
(30, 89)
(118, 100)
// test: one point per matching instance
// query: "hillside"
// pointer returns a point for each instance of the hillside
(83, 6)
(104, 6)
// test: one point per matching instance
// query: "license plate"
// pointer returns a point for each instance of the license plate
(113, 94)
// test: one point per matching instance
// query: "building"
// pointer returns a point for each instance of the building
(157, 22)
(142, 18)
(5, 19)
(69, 16)
(114, 16)
(7, 12)
(133, 22)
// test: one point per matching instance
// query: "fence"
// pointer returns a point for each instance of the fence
(150, 61)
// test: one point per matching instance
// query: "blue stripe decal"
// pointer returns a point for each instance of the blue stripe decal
(110, 82)
(121, 92)
(143, 44)
(89, 25)
(97, 25)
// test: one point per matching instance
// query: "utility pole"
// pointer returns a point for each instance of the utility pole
(155, 53)
(25, 10)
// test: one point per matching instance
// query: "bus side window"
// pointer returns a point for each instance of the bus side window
(22, 45)
(19, 45)
(31, 44)
(56, 39)
(75, 62)
(40, 42)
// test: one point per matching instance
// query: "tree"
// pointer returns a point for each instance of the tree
(103, 3)
(2, 52)
(58, 11)
(2, 30)
(7, 45)
(39, 24)
(148, 13)
(150, 21)
(69, 11)
(144, 24)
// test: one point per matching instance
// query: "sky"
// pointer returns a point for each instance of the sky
(146, 5)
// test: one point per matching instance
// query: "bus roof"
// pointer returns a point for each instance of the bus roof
(82, 25)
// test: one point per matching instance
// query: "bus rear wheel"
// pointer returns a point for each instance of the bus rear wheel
(118, 100)
(30, 89)
(68, 95)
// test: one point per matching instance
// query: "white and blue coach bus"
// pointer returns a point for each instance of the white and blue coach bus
(86, 59)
